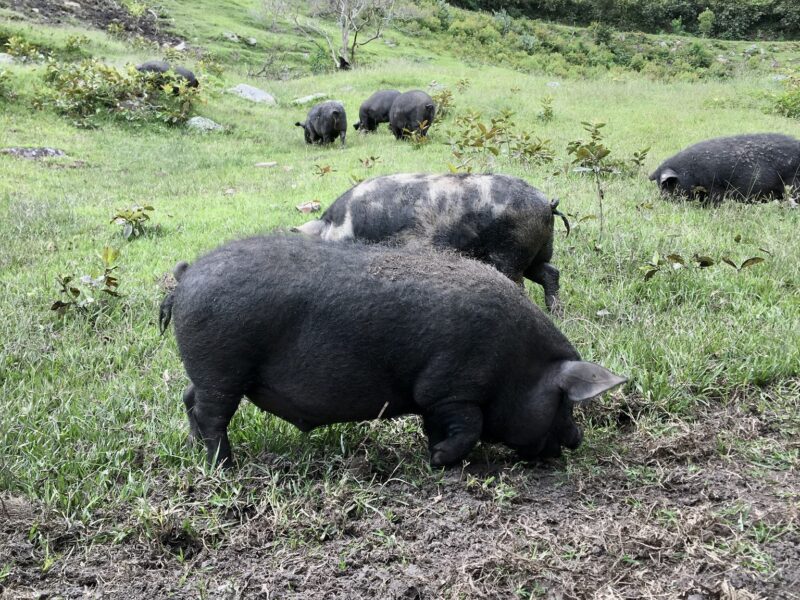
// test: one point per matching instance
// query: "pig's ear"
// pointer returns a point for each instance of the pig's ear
(311, 228)
(582, 381)
(299, 124)
(666, 175)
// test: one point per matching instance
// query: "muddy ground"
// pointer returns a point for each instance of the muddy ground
(703, 510)
(97, 13)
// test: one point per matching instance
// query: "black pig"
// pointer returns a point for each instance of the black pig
(495, 218)
(319, 333)
(325, 122)
(159, 66)
(411, 112)
(375, 110)
(744, 167)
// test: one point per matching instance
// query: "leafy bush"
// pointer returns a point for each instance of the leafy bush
(133, 220)
(91, 89)
(79, 293)
(705, 22)
(732, 19)
(788, 103)
(5, 85)
(21, 48)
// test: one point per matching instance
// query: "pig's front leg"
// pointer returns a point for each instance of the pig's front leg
(453, 429)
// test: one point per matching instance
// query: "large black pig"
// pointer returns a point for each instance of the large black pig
(325, 122)
(744, 167)
(319, 333)
(495, 218)
(411, 112)
(375, 110)
(160, 66)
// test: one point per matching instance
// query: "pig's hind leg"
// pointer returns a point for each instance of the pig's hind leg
(212, 412)
(547, 276)
(188, 402)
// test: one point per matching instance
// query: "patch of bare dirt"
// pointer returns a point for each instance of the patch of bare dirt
(98, 13)
(672, 515)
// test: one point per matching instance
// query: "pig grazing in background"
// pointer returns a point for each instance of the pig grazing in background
(319, 333)
(744, 167)
(159, 66)
(375, 110)
(411, 112)
(326, 121)
(497, 219)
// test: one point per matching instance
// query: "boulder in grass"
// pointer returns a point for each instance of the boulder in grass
(254, 94)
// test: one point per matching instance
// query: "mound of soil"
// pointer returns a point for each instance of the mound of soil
(98, 13)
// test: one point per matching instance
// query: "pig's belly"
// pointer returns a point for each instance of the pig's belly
(316, 402)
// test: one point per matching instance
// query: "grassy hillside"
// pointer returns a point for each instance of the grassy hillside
(687, 479)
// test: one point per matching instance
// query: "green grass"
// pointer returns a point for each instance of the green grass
(91, 422)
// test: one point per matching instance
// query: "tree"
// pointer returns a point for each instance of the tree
(354, 18)
(706, 22)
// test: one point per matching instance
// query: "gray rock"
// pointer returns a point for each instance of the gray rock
(203, 124)
(248, 92)
(309, 99)
(72, 5)
(251, 41)
(6, 59)
(32, 153)
(230, 36)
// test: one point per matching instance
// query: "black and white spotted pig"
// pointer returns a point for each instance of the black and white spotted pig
(498, 219)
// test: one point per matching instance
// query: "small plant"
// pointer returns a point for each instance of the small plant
(788, 103)
(546, 114)
(133, 220)
(322, 170)
(416, 137)
(22, 49)
(210, 63)
(591, 156)
(705, 22)
(5, 85)
(80, 293)
(601, 33)
(677, 26)
(639, 157)
(444, 103)
(463, 84)
(116, 30)
(747, 263)
(370, 161)
(75, 46)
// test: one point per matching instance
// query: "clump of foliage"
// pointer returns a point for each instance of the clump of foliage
(705, 22)
(590, 156)
(731, 19)
(444, 103)
(5, 85)
(788, 103)
(22, 49)
(91, 89)
(133, 220)
(546, 114)
(79, 293)
(671, 263)
(531, 45)
(476, 141)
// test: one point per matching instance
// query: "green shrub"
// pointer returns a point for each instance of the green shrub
(92, 89)
(21, 48)
(5, 85)
(788, 103)
(705, 22)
